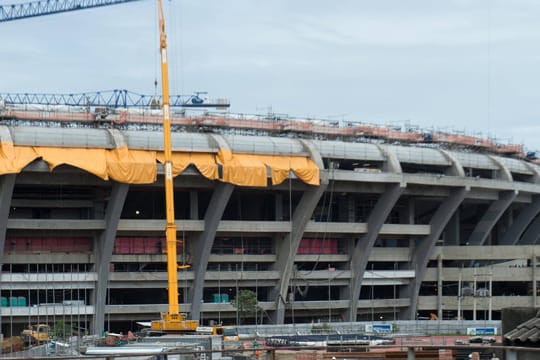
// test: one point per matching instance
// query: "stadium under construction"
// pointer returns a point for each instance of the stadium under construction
(322, 221)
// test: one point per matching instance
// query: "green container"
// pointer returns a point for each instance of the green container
(13, 301)
(216, 298)
(3, 301)
(224, 298)
(21, 301)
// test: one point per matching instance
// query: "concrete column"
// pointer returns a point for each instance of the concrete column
(534, 278)
(193, 205)
(279, 206)
(103, 252)
(439, 286)
(520, 224)
(286, 251)
(532, 234)
(351, 202)
(7, 183)
(361, 252)
(424, 248)
(203, 245)
(491, 217)
(411, 211)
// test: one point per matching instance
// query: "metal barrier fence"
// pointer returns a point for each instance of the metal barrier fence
(410, 327)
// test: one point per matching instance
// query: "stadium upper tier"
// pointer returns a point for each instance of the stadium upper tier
(131, 156)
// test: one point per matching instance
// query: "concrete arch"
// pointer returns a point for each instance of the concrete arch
(103, 252)
(205, 241)
(520, 224)
(504, 172)
(456, 169)
(117, 138)
(392, 163)
(364, 246)
(424, 248)
(491, 217)
(535, 171)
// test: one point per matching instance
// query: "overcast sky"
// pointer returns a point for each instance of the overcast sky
(467, 65)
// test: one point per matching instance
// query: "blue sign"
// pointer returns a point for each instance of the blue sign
(379, 328)
(482, 331)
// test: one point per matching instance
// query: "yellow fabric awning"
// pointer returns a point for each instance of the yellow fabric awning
(14, 158)
(204, 162)
(90, 160)
(132, 166)
(139, 166)
(243, 170)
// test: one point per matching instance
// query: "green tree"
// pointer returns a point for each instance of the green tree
(246, 304)
(60, 329)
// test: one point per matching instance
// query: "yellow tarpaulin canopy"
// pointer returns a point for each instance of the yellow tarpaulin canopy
(204, 162)
(90, 160)
(14, 158)
(132, 166)
(242, 170)
(139, 166)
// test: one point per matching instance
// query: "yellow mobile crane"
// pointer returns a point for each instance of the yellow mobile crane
(173, 320)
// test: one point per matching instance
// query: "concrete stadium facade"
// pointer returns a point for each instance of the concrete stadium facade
(392, 232)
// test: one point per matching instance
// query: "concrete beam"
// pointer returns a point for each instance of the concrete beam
(7, 183)
(424, 248)
(205, 241)
(520, 224)
(491, 217)
(103, 252)
(362, 250)
(286, 251)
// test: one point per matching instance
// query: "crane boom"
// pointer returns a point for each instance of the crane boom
(118, 98)
(173, 320)
(47, 7)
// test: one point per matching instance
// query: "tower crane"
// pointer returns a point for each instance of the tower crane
(173, 320)
(47, 7)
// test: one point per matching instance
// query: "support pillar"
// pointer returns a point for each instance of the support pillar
(491, 217)
(286, 251)
(193, 205)
(205, 241)
(439, 286)
(424, 248)
(103, 252)
(364, 246)
(520, 224)
(532, 234)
